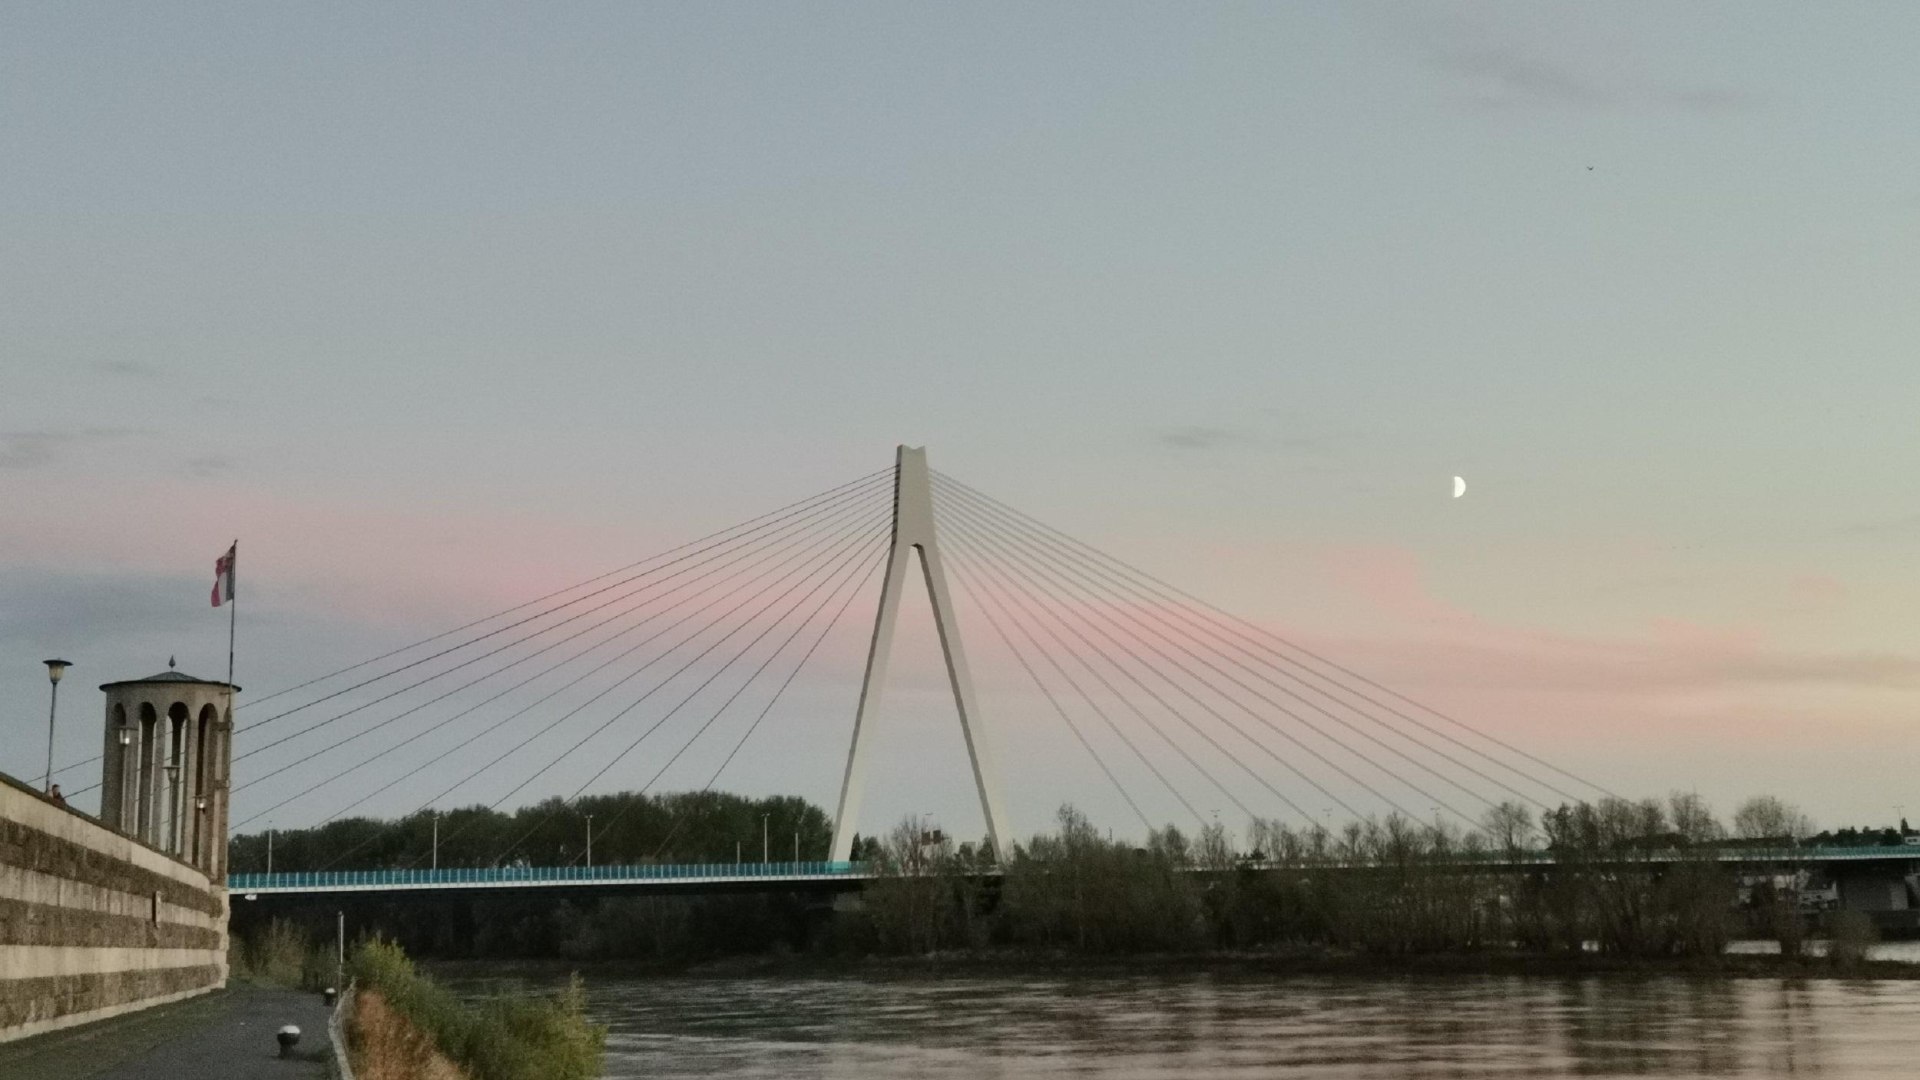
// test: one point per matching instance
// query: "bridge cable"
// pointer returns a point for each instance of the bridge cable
(826, 512)
(1066, 604)
(775, 700)
(1238, 628)
(1098, 603)
(851, 577)
(827, 519)
(867, 479)
(961, 548)
(491, 633)
(563, 591)
(1167, 631)
(963, 577)
(709, 625)
(695, 659)
(872, 486)
(852, 552)
(778, 549)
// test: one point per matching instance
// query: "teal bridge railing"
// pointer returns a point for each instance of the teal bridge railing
(690, 873)
(453, 877)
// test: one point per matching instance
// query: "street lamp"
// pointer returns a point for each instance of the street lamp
(55, 669)
(589, 841)
(766, 851)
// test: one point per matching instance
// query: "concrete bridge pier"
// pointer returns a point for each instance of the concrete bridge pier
(1889, 892)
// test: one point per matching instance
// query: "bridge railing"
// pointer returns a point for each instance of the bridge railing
(537, 875)
(318, 880)
(1548, 857)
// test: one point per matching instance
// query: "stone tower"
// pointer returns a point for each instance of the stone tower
(165, 769)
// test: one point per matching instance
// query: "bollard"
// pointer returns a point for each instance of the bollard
(288, 1036)
(328, 996)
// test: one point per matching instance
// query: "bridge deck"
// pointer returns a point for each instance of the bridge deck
(534, 877)
(775, 874)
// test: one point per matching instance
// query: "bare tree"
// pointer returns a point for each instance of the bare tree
(1509, 827)
(1767, 817)
(1693, 819)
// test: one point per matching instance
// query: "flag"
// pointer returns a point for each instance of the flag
(223, 575)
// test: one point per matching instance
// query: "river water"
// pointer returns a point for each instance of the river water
(1193, 1026)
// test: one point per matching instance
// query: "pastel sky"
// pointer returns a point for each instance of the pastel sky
(438, 308)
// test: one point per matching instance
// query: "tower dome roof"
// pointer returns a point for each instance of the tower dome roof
(167, 677)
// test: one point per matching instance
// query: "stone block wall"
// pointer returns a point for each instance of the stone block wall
(94, 923)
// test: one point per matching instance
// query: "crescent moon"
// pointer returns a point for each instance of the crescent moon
(1459, 487)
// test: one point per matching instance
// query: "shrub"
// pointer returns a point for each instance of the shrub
(284, 955)
(505, 1037)
(1853, 933)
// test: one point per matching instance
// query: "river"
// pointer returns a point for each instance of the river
(1193, 1026)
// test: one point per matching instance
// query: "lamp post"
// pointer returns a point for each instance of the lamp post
(55, 669)
(589, 841)
(436, 839)
(766, 850)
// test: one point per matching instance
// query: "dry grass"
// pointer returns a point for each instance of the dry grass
(387, 1047)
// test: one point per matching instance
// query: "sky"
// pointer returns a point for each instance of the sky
(440, 308)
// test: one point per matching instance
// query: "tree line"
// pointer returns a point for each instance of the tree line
(1388, 886)
(628, 828)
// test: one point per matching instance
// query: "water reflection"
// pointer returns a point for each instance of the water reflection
(1188, 1027)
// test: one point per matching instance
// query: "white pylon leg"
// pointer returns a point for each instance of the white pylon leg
(913, 531)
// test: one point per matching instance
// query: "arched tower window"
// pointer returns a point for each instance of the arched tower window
(200, 801)
(149, 740)
(177, 777)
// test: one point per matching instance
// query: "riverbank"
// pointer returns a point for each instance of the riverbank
(409, 1025)
(1263, 963)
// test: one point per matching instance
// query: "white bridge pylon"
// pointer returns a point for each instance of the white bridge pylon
(913, 531)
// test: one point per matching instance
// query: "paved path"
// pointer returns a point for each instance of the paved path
(222, 1036)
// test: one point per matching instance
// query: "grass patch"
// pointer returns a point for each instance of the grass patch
(388, 1047)
(505, 1037)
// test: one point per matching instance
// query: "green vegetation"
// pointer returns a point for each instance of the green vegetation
(628, 828)
(1390, 887)
(505, 1037)
(1387, 888)
(281, 953)
(1852, 933)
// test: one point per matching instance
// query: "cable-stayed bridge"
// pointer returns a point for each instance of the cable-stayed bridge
(673, 666)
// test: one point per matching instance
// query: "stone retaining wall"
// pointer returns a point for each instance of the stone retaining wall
(94, 923)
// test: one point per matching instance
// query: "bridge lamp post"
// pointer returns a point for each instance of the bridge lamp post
(55, 669)
(589, 841)
(766, 850)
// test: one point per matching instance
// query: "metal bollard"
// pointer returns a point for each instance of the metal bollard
(288, 1035)
(328, 995)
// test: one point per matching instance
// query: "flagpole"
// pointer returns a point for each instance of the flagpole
(220, 783)
(233, 619)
